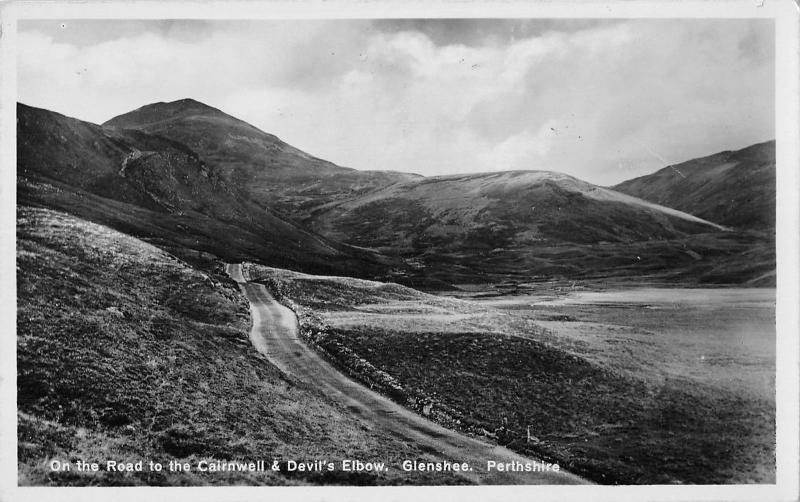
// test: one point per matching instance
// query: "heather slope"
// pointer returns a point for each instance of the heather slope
(126, 353)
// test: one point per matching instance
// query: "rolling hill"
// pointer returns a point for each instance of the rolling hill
(732, 188)
(161, 190)
(488, 211)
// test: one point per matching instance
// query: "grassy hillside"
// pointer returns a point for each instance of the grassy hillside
(491, 373)
(732, 188)
(498, 210)
(126, 353)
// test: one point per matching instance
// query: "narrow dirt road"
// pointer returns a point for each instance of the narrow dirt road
(274, 334)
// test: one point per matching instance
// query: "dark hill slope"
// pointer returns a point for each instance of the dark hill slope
(162, 190)
(267, 169)
(732, 188)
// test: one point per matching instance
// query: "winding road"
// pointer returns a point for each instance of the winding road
(274, 334)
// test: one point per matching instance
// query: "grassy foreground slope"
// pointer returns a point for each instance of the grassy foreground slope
(487, 372)
(126, 353)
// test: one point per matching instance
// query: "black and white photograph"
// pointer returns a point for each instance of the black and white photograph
(317, 252)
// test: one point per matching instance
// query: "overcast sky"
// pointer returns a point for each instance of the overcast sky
(601, 100)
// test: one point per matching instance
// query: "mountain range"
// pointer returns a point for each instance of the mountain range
(187, 176)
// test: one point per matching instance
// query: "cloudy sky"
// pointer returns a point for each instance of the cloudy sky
(601, 100)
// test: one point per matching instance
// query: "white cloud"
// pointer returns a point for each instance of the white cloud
(602, 102)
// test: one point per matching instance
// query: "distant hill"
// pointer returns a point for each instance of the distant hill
(528, 225)
(270, 171)
(732, 188)
(162, 190)
(498, 210)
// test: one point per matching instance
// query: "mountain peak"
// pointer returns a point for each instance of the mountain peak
(160, 111)
(187, 104)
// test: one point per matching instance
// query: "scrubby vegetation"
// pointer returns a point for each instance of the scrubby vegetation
(126, 353)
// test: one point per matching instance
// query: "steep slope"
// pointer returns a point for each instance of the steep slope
(267, 169)
(732, 188)
(161, 190)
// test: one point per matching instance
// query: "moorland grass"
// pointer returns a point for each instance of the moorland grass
(126, 353)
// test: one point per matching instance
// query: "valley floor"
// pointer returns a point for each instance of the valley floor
(275, 335)
(643, 390)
